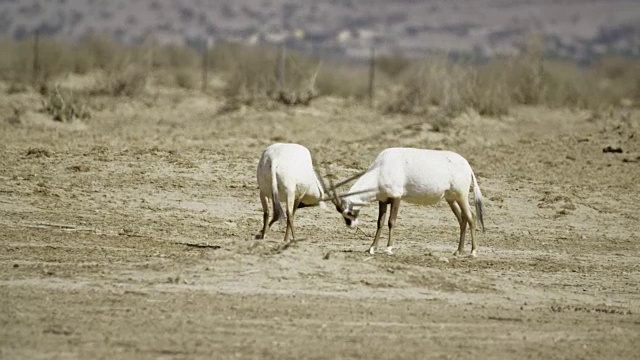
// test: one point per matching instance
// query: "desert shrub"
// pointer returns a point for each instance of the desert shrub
(428, 83)
(130, 82)
(343, 80)
(392, 65)
(17, 60)
(175, 56)
(488, 91)
(186, 78)
(55, 59)
(408, 94)
(527, 78)
(224, 54)
(441, 120)
(536, 80)
(300, 71)
(16, 88)
(63, 105)
(566, 85)
(452, 88)
(524, 73)
(99, 52)
(252, 73)
(617, 67)
(622, 77)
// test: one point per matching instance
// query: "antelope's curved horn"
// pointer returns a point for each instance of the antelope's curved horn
(327, 191)
(334, 194)
(344, 195)
(348, 180)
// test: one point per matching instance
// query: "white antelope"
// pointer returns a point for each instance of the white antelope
(286, 173)
(417, 176)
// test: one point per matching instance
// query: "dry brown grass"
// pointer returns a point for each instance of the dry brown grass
(100, 52)
(56, 59)
(249, 73)
(17, 60)
(438, 83)
(186, 78)
(173, 56)
(527, 79)
(392, 65)
(252, 73)
(417, 86)
(63, 104)
(345, 80)
(129, 82)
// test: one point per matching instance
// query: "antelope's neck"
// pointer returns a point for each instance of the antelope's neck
(368, 181)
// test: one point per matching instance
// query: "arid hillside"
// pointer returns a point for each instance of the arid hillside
(573, 29)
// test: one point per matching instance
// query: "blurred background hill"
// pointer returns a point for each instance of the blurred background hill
(576, 29)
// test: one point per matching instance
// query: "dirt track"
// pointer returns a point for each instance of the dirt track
(131, 236)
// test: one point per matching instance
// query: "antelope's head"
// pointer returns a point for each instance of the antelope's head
(349, 212)
(347, 208)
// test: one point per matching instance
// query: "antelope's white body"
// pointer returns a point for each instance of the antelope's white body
(285, 173)
(417, 176)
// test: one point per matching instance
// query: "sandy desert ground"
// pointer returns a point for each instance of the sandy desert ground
(131, 235)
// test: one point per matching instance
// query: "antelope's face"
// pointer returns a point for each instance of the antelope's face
(349, 213)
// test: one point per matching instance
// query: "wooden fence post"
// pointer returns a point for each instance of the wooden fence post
(36, 56)
(282, 67)
(205, 65)
(150, 43)
(372, 72)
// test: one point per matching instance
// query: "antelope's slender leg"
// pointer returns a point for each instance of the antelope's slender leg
(291, 203)
(393, 216)
(456, 210)
(468, 215)
(265, 215)
(276, 216)
(296, 203)
(463, 225)
(382, 214)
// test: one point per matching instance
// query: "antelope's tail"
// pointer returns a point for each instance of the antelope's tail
(478, 199)
(278, 212)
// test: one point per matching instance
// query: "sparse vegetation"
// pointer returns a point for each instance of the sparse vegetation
(344, 80)
(63, 106)
(249, 73)
(174, 57)
(186, 78)
(528, 79)
(253, 74)
(129, 82)
(433, 86)
(99, 52)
